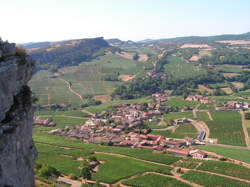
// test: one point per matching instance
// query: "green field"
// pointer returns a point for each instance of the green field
(209, 180)
(177, 115)
(150, 180)
(229, 68)
(202, 116)
(226, 169)
(181, 132)
(187, 163)
(178, 102)
(181, 69)
(226, 127)
(208, 106)
(116, 168)
(237, 154)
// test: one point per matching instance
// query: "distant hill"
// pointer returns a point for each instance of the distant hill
(68, 53)
(245, 36)
(32, 45)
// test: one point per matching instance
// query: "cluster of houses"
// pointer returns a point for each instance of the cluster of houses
(132, 139)
(45, 123)
(160, 97)
(200, 98)
(157, 75)
(128, 116)
(233, 105)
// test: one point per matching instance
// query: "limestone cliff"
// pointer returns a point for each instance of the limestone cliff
(17, 150)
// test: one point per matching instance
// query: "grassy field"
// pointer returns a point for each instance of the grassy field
(181, 69)
(77, 144)
(208, 106)
(237, 154)
(229, 68)
(202, 116)
(62, 159)
(116, 168)
(187, 163)
(181, 132)
(209, 180)
(177, 115)
(226, 127)
(226, 169)
(150, 180)
(179, 102)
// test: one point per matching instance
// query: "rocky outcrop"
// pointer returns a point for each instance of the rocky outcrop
(17, 150)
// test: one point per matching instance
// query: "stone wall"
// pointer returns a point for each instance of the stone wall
(17, 150)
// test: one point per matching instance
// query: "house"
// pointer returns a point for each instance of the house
(197, 153)
(178, 152)
(189, 141)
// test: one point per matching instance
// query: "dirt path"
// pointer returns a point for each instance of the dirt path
(71, 90)
(87, 112)
(210, 116)
(245, 129)
(195, 110)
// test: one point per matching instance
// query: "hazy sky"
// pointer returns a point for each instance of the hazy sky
(51, 20)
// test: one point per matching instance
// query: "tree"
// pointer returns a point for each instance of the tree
(85, 173)
(247, 115)
(92, 158)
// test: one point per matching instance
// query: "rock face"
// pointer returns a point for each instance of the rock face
(17, 150)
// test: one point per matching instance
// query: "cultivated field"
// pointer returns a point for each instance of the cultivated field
(226, 127)
(181, 69)
(209, 180)
(150, 180)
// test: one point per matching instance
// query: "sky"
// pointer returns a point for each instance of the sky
(54, 20)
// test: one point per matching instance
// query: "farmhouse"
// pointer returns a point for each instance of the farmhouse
(45, 123)
(197, 153)
(199, 98)
(189, 141)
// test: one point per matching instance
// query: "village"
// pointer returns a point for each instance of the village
(125, 127)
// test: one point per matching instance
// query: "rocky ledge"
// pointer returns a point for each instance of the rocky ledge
(17, 150)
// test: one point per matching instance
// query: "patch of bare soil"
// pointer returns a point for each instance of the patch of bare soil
(79, 159)
(127, 55)
(227, 90)
(195, 46)
(102, 98)
(67, 156)
(230, 74)
(195, 58)
(143, 57)
(126, 78)
(202, 88)
(108, 52)
(238, 84)
(235, 42)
